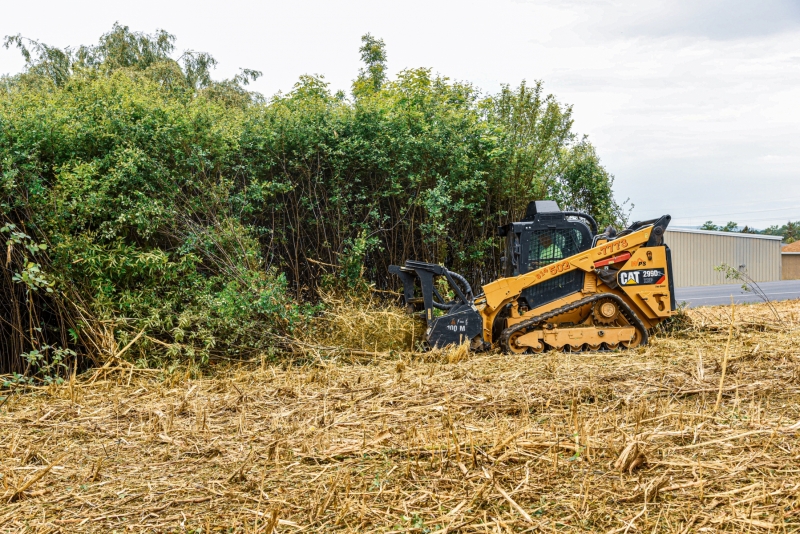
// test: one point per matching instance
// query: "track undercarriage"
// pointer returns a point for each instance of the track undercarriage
(597, 322)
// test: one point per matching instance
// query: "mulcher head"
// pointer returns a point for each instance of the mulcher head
(450, 321)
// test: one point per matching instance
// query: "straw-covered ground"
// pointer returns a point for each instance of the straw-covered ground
(607, 442)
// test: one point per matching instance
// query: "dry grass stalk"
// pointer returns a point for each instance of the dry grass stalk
(18, 492)
(725, 357)
(420, 442)
(516, 506)
(630, 458)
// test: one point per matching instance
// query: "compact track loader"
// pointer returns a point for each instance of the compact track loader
(566, 287)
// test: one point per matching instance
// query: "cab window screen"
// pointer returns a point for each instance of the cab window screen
(552, 245)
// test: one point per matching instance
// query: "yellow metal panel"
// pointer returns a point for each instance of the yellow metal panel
(652, 298)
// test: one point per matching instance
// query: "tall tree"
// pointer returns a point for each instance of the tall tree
(373, 74)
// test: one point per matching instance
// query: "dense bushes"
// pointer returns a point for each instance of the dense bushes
(205, 217)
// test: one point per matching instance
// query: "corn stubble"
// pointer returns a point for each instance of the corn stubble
(372, 440)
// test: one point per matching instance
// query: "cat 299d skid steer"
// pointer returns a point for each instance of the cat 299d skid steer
(566, 287)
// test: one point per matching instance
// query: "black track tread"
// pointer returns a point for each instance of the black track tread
(632, 318)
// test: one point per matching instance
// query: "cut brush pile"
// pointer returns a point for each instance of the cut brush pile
(698, 432)
(358, 325)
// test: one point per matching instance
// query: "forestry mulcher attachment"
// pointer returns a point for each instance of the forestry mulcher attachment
(566, 287)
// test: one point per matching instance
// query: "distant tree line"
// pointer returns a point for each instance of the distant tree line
(790, 232)
(140, 197)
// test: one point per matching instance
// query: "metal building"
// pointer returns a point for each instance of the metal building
(695, 254)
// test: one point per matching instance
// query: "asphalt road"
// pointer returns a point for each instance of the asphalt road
(720, 295)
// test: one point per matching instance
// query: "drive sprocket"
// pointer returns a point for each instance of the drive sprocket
(605, 312)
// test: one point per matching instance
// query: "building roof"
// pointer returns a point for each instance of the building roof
(792, 247)
(726, 234)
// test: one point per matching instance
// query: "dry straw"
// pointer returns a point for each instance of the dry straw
(377, 439)
(358, 325)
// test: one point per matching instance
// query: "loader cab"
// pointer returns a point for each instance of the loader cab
(547, 235)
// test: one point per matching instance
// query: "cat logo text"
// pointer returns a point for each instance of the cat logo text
(641, 277)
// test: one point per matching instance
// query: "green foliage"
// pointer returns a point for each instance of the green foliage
(207, 216)
(124, 50)
(49, 362)
(790, 232)
(748, 284)
(729, 227)
(373, 55)
(42, 60)
(121, 48)
(25, 282)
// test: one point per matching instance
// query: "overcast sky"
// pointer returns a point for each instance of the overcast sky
(694, 106)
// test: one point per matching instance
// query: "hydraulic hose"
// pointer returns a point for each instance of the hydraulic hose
(467, 287)
(441, 305)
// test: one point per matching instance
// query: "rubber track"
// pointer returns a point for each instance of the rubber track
(535, 321)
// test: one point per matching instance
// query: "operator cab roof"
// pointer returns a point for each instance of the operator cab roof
(540, 206)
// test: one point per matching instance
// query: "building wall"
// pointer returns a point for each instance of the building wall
(790, 269)
(695, 253)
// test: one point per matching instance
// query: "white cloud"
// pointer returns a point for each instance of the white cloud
(713, 19)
